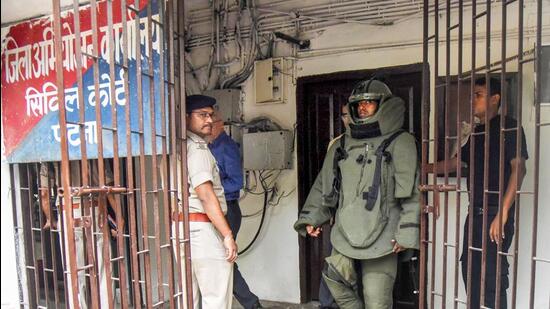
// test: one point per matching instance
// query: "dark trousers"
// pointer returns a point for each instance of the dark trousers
(241, 291)
(491, 262)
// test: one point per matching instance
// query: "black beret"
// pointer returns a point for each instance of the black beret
(198, 101)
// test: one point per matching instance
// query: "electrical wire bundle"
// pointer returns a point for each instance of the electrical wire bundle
(267, 181)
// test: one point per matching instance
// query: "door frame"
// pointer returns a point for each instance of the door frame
(305, 245)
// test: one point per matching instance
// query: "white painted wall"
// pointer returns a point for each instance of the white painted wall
(9, 291)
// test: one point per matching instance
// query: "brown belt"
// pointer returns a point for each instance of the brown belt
(194, 217)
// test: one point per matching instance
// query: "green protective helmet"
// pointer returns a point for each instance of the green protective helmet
(370, 90)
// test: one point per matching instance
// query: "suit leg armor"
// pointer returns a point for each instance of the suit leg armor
(378, 280)
(341, 279)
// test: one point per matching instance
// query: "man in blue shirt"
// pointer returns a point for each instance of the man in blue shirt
(228, 158)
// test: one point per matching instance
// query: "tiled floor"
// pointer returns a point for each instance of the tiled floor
(279, 305)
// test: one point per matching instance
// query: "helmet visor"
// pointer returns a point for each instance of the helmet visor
(363, 109)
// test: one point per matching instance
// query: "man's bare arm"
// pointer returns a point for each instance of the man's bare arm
(45, 205)
(517, 174)
(449, 163)
(213, 210)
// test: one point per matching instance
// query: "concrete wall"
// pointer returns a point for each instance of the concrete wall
(9, 291)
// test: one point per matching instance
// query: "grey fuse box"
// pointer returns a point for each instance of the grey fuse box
(228, 104)
(267, 150)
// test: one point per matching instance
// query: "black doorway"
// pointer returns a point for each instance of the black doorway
(318, 103)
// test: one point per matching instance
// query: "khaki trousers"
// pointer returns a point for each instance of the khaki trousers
(212, 273)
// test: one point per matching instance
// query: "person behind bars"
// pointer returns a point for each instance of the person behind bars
(513, 173)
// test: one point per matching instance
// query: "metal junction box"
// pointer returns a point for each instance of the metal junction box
(267, 150)
(270, 80)
(228, 103)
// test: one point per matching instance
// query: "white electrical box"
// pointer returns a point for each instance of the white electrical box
(228, 103)
(269, 80)
(267, 150)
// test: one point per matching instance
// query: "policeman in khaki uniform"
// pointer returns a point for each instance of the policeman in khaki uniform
(369, 182)
(213, 248)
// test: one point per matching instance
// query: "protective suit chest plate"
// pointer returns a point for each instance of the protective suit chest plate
(359, 222)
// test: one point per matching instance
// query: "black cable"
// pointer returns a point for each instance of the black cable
(259, 228)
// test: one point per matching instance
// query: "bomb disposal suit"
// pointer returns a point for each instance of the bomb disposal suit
(369, 182)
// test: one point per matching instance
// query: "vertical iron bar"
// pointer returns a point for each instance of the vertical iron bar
(164, 160)
(425, 107)
(154, 170)
(435, 213)
(458, 151)
(471, 182)
(131, 199)
(32, 232)
(142, 166)
(61, 230)
(538, 97)
(89, 256)
(486, 151)
(123, 284)
(184, 186)
(501, 185)
(175, 141)
(65, 179)
(100, 173)
(446, 148)
(519, 137)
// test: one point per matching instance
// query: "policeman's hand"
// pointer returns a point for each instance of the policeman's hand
(230, 248)
(397, 247)
(496, 232)
(312, 231)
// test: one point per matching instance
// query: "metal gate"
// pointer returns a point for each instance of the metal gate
(114, 244)
(460, 45)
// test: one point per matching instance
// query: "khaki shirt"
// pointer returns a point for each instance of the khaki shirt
(202, 167)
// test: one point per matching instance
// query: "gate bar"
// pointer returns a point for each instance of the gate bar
(153, 128)
(538, 99)
(120, 246)
(164, 159)
(142, 166)
(184, 186)
(66, 181)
